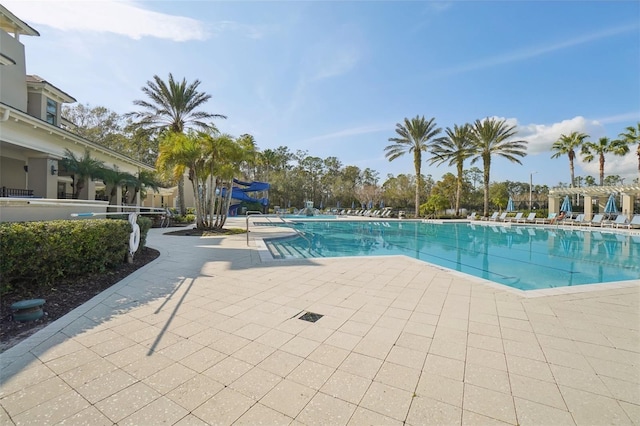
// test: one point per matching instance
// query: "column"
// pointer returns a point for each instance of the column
(588, 207)
(554, 204)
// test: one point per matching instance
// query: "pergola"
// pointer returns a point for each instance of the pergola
(627, 192)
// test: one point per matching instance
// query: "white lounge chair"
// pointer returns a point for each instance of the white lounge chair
(547, 219)
(621, 219)
(529, 219)
(597, 220)
(500, 218)
(635, 221)
(516, 218)
(472, 216)
(577, 221)
(494, 216)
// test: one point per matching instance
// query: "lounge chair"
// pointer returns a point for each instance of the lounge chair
(635, 221)
(577, 221)
(500, 218)
(529, 219)
(596, 221)
(621, 219)
(516, 218)
(472, 216)
(494, 216)
(548, 219)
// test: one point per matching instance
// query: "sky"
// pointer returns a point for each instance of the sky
(333, 78)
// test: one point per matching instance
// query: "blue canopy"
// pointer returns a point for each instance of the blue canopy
(610, 207)
(566, 205)
(510, 206)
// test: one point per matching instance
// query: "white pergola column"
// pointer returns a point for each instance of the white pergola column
(588, 207)
(554, 204)
(627, 205)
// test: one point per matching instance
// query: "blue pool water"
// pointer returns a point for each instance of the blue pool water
(521, 257)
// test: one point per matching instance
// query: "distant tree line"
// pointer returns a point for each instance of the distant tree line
(172, 132)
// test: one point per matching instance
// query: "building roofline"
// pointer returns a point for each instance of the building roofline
(65, 134)
(12, 24)
(39, 82)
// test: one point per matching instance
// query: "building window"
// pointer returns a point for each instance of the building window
(52, 109)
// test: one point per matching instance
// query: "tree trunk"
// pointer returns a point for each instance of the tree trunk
(181, 204)
(459, 189)
(487, 167)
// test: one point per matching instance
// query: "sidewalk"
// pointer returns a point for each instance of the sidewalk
(209, 334)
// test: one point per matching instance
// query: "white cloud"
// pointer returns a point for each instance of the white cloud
(112, 16)
(620, 118)
(534, 51)
(542, 136)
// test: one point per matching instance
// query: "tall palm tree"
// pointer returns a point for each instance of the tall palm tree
(454, 149)
(414, 136)
(604, 146)
(173, 106)
(82, 168)
(631, 136)
(492, 137)
(567, 144)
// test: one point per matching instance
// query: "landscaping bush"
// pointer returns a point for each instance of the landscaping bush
(38, 253)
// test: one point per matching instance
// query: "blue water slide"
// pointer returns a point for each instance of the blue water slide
(240, 192)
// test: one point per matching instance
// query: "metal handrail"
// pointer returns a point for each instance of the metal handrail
(250, 213)
(304, 237)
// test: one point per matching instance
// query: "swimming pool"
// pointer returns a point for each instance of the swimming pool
(522, 257)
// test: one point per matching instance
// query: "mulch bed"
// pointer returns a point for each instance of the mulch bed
(60, 300)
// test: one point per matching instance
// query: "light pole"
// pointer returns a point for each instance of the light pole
(531, 190)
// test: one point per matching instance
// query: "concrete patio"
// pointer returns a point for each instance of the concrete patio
(209, 334)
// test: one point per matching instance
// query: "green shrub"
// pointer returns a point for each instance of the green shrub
(145, 223)
(39, 253)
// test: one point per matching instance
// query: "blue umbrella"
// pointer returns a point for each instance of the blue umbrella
(370, 204)
(566, 205)
(510, 206)
(338, 205)
(353, 204)
(321, 205)
(610, 207)
(381, 204)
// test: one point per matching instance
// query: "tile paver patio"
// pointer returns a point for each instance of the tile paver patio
(208, 334)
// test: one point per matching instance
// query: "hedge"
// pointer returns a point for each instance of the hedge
(39, 253)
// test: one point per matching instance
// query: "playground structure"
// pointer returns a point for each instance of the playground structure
(240, 192)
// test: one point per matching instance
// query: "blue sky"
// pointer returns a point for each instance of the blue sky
(333, 78)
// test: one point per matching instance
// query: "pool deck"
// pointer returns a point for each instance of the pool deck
(209, 334)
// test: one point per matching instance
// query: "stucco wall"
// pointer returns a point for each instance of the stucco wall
(12, 174)
(12, 77)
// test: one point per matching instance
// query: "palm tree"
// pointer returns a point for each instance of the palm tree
(114, 178)
(491, 137)
(604, 146)
(455, 148)
(631, 136)
(145, 179)
(414, 137)
(82, 169)
(567, 145)
(173, 107)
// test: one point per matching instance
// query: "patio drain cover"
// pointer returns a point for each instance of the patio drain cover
(310, 316)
